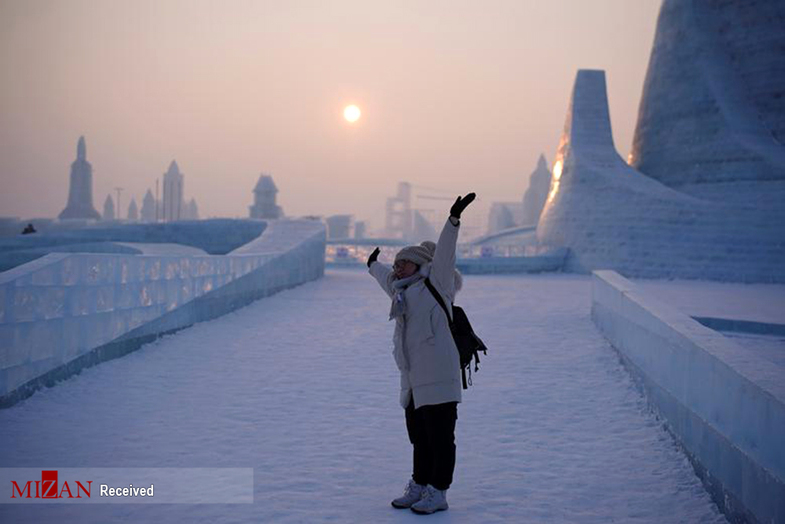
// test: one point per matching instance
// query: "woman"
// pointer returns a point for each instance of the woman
(426, 355)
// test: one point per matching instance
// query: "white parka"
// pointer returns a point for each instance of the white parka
(424, 349)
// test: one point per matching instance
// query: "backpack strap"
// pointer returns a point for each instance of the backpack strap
(439, 299)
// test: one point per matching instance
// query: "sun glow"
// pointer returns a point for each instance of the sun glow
(352, 113)
(557, 169)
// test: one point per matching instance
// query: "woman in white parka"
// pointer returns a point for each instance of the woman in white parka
(426, 355)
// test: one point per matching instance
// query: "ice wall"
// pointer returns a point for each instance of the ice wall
(725, 404)
(216, 236)
(547, 261)
(16, 257)
(64, 312)
(712, 116)
(613, 217)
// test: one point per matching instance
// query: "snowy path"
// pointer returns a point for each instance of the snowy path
(302, 387)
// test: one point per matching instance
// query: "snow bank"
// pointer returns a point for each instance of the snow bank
(724, 403)
(64, 312)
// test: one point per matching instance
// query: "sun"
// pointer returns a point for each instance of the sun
(352, 113)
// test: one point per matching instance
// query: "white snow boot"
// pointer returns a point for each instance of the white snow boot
(432, 500)
(411, 494)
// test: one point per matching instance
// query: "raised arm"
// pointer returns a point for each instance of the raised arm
(382, 273)
(443, 265)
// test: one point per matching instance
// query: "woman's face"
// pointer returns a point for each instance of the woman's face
(405, 269)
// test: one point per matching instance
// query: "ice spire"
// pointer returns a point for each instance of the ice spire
(173, 193)
(109, 208)
(80, 189)
(133, 210)
(537, 192)
(81, 149)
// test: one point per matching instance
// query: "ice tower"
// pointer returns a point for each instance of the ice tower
(711, 121)
(537, 192)
(173, 193)
(264, 193)
(80, 192)
(614, 217)
(149, 213)
(109, 208)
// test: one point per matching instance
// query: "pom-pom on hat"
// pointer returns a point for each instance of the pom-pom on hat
(420, 255)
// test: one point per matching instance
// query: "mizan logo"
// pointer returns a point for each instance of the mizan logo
(46, 488)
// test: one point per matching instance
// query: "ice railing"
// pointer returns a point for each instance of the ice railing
(724, 404)
(61, 306)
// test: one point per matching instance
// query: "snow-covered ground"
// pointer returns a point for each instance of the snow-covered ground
(302, 387)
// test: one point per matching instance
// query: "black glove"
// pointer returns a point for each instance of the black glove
(373, 257)
(460, 204)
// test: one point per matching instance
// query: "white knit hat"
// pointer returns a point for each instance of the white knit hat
(420, 255)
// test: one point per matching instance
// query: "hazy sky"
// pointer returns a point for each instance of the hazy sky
(455, 95)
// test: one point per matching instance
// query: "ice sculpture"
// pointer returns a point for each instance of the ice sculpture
(264, 205)
(80, 190)
(536, 193)
(712, 116)
(612, 216)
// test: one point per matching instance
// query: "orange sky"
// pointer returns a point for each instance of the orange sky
(455, 95)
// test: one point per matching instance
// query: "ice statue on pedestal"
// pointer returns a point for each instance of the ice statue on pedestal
(80, 192)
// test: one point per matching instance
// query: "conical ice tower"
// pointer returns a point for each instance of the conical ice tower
(80, 193)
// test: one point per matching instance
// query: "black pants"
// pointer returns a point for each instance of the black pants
(432, 433)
